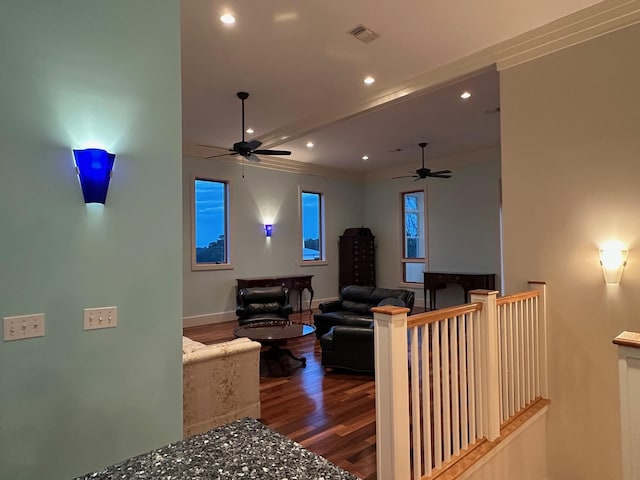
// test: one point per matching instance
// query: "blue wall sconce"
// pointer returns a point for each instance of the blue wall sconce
(94, 170)
(268, 229)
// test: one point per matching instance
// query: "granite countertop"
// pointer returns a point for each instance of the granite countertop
(244, 449)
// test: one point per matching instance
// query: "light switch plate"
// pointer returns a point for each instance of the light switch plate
(23, 326)
(100, 317)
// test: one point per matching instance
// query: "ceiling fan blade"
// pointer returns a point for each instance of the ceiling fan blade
(231, 152)
(442, 175)
(407, 176)
(253, 158)
(253, 144)
(272, 152)
(439, 172)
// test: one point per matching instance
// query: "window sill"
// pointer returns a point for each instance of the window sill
(211, 266)
(313, 263)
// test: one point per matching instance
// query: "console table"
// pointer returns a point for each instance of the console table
(299, 283)
(468, 281)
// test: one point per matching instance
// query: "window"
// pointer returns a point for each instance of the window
(210, 249)
(312, 226)
(413, 236)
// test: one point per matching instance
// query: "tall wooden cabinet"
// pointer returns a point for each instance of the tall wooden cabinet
(357, 258)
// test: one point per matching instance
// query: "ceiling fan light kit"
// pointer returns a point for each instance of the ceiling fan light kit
(423, 172)
(249, 150)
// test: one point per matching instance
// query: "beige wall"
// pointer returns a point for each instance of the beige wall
(521, 456)
(570, 170)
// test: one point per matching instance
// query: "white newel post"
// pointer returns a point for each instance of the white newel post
(629, 372)
(392, 393)
(541, 288)
(490, 366)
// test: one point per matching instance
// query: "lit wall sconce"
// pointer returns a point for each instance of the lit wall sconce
(94, 166)
(267, 230)
(613, 258)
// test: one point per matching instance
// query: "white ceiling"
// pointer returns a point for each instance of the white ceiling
(305, 72)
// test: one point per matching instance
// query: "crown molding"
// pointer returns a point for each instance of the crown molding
(592, 22)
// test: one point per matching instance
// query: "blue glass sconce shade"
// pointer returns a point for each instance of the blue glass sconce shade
(268, 229)
(94, 169)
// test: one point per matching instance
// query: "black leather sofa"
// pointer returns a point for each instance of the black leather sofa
(353, 308)
(256, 304)
(345, 326)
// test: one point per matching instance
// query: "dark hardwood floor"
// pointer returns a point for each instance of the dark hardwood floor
(331, 414)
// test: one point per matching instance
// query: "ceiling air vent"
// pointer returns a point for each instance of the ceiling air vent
(363, 34)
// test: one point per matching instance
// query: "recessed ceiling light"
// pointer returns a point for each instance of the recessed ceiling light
(309, 144)
(369, 80)
(249, 130)
(464, 95)
(228, 19)
(365, 157)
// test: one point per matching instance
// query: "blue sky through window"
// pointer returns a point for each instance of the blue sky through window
(311, 221)
(310, 215)
(210, 211)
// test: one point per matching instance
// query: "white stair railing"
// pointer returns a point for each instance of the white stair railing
(522, 349)
(449, 378)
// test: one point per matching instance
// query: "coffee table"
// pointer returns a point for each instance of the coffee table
(274, 333)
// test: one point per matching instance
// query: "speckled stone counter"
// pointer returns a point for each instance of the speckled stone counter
(243, 449)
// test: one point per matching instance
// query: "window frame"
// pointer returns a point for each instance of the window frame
(403, 238)
(195, 265)
(321, 227)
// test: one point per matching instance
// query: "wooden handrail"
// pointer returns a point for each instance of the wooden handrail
(438, 315)
(628, 339)
(516, 297)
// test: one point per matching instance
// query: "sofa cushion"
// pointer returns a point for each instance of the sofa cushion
(381, 293)
(356, 293)
(270, 307)
(396, 302)
(355, 307)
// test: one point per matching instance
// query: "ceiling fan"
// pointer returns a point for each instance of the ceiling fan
(249, 150)
(423, 172)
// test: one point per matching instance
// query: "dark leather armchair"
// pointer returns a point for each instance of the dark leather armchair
(350, 347)
(257, 304)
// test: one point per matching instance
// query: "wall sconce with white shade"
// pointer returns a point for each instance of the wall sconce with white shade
(613, 258)
(94, 167)
(268, 229)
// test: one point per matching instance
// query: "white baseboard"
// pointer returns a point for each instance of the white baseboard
(208, 318)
